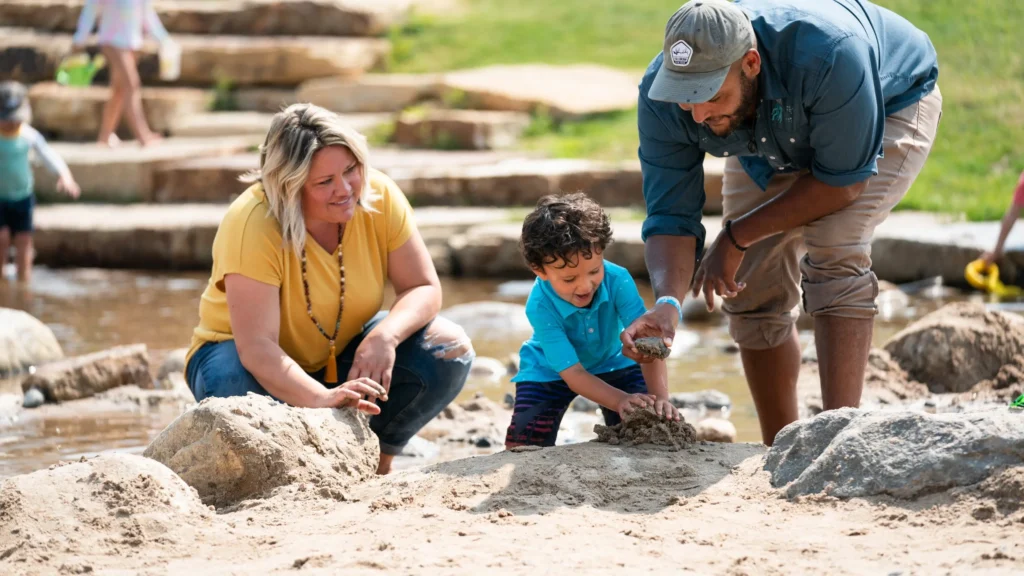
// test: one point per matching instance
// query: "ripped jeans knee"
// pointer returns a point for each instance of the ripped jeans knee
(448, 341)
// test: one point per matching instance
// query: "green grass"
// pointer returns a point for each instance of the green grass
(976, 159)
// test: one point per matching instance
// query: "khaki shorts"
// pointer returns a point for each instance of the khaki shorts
(830, 257)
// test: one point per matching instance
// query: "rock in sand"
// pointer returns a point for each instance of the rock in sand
(24, 342)
(957, 346)
(232, 449)
(84, 376)
(33, 398)
(852, 453)
(716, 430)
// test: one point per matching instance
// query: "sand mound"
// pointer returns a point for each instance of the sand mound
(959, 345)
(636, 479)
(645, 427)
(850, 453)
(106, 506)
(231, 449)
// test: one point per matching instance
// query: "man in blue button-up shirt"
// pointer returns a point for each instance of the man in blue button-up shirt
(825, 111)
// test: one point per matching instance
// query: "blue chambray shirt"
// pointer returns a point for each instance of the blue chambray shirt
(565, 335)
(831, 71)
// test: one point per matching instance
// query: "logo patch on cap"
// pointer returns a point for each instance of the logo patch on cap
(681, 53)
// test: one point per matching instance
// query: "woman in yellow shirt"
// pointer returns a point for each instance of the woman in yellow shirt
(293, 306)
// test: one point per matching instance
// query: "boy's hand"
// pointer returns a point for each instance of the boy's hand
(632, 402)
(663, 407)
(67, 185)
(660, 321)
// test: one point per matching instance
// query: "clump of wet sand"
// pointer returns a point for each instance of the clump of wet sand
(643, 426)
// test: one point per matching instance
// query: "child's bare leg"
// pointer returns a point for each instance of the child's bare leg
(113, 109)
(136, 117)
(5, 246)
(23, 256)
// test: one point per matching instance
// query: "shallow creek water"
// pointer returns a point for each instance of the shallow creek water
(90, 310)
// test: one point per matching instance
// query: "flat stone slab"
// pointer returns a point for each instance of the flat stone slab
(31, 56)
(178, 236)
(561, 91)
(923, 246)
(126, 173)
(460, 129)
(216, 179)
(369, 92)
(262, 99)
(213, 124)
(235, 17)
(74, 113)
(448, 178)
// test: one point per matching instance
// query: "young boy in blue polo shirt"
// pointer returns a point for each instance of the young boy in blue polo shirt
(578, 307)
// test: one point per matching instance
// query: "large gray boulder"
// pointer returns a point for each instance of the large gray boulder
(849, 453)
(24, 342)
(233, 449)
(84, 376)
(957, 346)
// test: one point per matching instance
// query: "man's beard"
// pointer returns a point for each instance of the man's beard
(745, 112)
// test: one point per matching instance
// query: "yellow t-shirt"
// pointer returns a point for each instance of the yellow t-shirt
(249, 243)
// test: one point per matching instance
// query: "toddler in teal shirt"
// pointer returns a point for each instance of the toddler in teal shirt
(17, 142)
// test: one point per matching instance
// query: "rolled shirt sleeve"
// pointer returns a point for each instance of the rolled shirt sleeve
(673, 177)
(847, 115)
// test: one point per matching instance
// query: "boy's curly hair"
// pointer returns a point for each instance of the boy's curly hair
(564, 227)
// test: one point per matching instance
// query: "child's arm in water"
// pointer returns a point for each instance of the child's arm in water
(65, 183)
(593, 388)
(656, 377)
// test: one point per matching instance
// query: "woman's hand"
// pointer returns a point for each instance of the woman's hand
(360, 393)
(375, 359)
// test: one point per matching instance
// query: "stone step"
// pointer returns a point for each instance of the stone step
(370, 92)
(564, 92)
(269, 100)
(31, 56)
(460, 129)
(180, 236)
(234, 17)
(438, 178)
(70, 113)
(216, 179)
(213, 124)
(127, 173)
(470, 242)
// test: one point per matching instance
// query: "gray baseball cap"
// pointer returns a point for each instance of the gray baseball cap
(14, 105)
(702, 40)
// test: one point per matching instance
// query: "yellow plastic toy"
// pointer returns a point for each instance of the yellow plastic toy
(986, 278)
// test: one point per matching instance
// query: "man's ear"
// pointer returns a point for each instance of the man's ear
(751, 63)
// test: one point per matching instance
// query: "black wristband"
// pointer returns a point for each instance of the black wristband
(728, 232)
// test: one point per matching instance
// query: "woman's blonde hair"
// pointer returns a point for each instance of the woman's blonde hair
(295, 134)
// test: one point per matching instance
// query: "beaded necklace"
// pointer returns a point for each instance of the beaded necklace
(331, 376)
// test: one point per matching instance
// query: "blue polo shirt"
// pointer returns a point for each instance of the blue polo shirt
(565, 335)
(831, 71)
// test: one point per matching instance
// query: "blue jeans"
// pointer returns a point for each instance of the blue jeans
(431, 367)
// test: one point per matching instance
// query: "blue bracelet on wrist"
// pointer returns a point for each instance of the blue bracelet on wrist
(674, 302)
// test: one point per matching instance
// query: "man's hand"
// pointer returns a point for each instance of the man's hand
(658, 322)
(717, 272)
